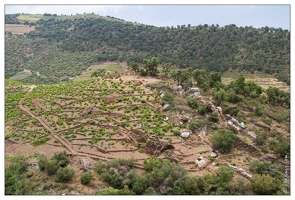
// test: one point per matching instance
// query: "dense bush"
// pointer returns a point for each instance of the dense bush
(62, 158)
(51, 167)
(86, 177)
(232, 110)
(223, 140)
(16, 181)
(264, 167)
(64, 174)
(42, 161)
(192, 102)
(265, 185)
(213, 117)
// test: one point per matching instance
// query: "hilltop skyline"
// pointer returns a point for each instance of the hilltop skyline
(277, 16)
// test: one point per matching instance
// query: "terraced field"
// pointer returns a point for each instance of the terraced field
(101, 119)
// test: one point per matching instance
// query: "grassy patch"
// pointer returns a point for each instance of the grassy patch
(264, 80)
(93, 68)
(20, 75)
(30, 17)
(40, 141)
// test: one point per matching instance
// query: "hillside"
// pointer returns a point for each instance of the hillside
(61, 47)
(96, 105)
(119, 129)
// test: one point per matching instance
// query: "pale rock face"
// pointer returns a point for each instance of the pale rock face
(242, 125)
(177, 87)
(213, 155)
(193, 90)
(240, 171)
(201, 162)
(165, 106)
(195, 95)
(185, 134)
(182, 92)
(219, 109)
(251, 134)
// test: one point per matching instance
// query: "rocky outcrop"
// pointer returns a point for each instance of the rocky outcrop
(202, 162)
(243, 146)
(155, 147)
(269, 157)
(185, 133)
(240, 171)
(138, 136)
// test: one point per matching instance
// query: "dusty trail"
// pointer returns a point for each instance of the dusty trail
(56, 136)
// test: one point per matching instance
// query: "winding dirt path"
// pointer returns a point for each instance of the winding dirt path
(46, 126)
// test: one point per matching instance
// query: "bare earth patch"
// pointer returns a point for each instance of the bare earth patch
(18, 29)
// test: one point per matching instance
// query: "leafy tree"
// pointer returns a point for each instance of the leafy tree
(223, 140)
(265, 185)
(150, 66)
(181, 75)
(167, 67)
(215, 79)
(64, 174)
(219, 96)
(277, 96)
(86, 177)
(241, 87)
(200, 75)
(134, 66)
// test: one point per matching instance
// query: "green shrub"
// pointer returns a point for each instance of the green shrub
(176, 132)
(193, 103)
(202, 110)
(86, 177)
(233, 111)
(214, 117)
(42, 161)
(192, 126)
(62, 158)
(51, 167)
(235, 98)
(140, 150)
(40, 141)
(168, 98)
(64, 174)
(265, 185)
(223, 140)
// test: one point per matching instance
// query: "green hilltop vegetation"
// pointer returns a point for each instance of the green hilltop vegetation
(61, 47)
